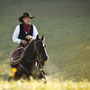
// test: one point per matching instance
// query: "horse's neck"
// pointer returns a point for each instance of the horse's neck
(30, 51)
(29, 57)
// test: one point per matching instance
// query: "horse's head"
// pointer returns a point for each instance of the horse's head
(40, 48)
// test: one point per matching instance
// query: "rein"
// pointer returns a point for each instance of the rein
(36, 51)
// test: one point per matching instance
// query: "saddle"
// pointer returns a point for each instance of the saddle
(17, 55)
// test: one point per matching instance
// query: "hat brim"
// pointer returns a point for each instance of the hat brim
(21, 18)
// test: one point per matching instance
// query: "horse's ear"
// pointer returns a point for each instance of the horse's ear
(43, 38)
(37, 37)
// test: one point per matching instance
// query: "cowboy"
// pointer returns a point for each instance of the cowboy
(24, 31)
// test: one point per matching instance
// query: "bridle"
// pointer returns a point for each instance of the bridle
(36, 52)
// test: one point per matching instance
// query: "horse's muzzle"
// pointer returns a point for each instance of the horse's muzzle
(45, 58)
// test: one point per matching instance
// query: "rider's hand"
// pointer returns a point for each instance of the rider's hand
(28, 37)
(24, 42)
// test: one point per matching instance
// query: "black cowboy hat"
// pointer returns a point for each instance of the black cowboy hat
(26, 14)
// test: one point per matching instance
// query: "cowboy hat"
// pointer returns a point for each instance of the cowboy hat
(26, 14)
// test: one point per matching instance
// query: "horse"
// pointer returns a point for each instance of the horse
(33, 62)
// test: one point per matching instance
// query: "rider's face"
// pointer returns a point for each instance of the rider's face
(27, 20)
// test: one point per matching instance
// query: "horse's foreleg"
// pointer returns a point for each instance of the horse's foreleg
(42, 76)
(27, 76)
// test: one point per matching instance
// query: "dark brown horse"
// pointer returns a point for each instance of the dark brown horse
(33, 61)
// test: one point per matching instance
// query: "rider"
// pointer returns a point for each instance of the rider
(24, 31)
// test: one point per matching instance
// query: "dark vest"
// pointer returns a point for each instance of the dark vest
(22, 34)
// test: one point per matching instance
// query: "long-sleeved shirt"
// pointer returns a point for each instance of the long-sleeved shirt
(17, 31)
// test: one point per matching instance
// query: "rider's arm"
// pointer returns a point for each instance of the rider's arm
(16, 34)
(35, 32)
